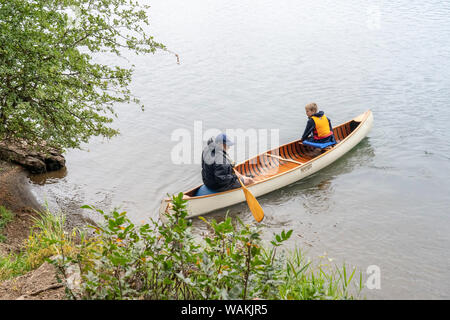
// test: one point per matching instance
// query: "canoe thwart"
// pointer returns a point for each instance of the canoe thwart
(280, 158)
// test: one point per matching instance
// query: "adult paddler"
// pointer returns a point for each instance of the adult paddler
(217, 167)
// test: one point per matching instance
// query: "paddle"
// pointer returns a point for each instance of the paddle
(274, 156)
(253, 204)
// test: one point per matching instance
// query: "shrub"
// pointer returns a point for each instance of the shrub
(165, 261)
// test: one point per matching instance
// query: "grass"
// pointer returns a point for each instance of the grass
(6, 217)
(13, 266)
(305, 279)
(48, 228)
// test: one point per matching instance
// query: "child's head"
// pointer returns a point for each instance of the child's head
(311, 108)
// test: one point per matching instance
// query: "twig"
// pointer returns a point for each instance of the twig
(175, 54)
(52, 287)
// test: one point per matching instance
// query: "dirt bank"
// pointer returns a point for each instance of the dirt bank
(39, 284)
(15, 195)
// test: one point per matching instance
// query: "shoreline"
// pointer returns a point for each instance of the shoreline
(17, 197)
(15, 193)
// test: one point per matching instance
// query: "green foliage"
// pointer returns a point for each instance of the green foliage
(51, 88)
(46, 239)
(6, 216)
(166, 261)
(13, 266)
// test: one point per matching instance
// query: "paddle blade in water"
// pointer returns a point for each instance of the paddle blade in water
(254, 205)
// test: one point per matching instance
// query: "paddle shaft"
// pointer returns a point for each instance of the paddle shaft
(239, 177)
(289, 160)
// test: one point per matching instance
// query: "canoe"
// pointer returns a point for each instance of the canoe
(271, 173)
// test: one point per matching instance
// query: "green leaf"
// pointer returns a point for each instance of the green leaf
(51, 89)
(289, 233)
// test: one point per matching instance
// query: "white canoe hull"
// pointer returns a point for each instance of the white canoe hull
(200, 205)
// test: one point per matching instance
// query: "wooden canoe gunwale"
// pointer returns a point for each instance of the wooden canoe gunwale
(361, 119)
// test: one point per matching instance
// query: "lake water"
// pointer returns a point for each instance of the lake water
(255, 64)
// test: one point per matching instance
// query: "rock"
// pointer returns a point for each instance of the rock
(39, 159)
(39, 284)
(73, 278)
(72, 275)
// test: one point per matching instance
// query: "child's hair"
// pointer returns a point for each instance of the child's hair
(311, 107)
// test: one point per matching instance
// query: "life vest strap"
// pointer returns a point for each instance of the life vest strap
(323, 137)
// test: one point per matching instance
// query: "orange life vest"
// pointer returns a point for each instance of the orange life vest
(322, 129)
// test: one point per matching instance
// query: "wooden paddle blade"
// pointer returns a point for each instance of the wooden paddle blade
(254, 206)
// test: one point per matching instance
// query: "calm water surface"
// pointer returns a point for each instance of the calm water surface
(255, 64)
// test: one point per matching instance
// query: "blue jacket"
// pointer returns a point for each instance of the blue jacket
(311, 125)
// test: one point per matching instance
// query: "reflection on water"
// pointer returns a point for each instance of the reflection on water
(49, 177)
(317, 199)
(317, 190)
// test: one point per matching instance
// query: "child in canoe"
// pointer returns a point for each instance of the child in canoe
(318, 128)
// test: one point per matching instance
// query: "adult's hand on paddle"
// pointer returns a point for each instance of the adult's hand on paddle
(248, 180)
(253, 204)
